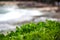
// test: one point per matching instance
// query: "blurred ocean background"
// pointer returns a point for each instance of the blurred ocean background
(12, 16)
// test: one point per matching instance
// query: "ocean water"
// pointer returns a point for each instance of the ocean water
(12, 16)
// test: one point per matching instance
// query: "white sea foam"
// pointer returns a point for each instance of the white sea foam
(11, 15)
(14, 15)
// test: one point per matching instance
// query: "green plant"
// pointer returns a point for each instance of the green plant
(49, 30)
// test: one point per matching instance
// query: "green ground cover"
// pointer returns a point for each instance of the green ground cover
(49, 30)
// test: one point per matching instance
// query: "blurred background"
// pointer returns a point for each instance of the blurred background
(17, 12)
(48, 4)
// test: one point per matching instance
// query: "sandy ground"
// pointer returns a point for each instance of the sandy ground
(40, 6)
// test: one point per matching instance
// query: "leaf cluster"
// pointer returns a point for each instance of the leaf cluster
(49, 30)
